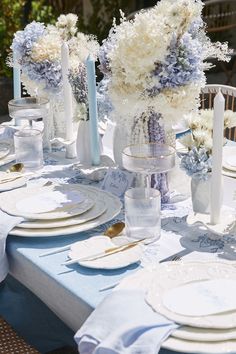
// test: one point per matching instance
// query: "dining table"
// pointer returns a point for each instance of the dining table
(72, 292)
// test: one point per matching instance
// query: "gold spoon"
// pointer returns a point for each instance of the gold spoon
(112, 231)
(16, 167)
(115, 229)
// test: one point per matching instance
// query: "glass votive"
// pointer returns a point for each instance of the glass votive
(29, 148)
(142, 213)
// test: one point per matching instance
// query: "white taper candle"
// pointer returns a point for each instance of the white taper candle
(217, 149)
(68, 105)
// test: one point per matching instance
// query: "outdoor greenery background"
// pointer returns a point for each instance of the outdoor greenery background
(15, 14)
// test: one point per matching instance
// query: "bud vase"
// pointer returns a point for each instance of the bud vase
(83, 143)
(200, 194)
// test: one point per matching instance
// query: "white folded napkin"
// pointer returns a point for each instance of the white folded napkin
(7, 222)
(123, 323)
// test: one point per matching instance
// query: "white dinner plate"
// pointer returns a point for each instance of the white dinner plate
(187, 346)
(173, 275)
(229, 158)
(98, 209)
(73, 202)
(7, 186)
(98, 244)
(204, 334)
(113, 208)
(228, 173)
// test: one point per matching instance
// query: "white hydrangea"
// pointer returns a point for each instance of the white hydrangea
(48, 47)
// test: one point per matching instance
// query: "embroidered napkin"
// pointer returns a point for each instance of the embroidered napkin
(123, 323)
(7, 222)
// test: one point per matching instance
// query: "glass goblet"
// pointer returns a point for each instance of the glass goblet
(148, 158)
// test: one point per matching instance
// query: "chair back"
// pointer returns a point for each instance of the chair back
(207, 101)
(219, 15)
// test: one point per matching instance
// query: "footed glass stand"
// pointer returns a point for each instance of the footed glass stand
(148, 159)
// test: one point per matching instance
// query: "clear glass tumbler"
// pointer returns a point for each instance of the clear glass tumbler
(142, 213)
(29, 148)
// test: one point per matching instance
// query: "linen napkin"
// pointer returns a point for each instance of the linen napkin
(7, 222)
(123, 323)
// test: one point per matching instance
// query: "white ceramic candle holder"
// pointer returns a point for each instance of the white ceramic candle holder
(226, 223)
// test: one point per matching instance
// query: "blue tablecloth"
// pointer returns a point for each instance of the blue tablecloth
(71, 292)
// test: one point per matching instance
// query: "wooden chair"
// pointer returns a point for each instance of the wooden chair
(11, 342)
(220, 19)
(207, 100)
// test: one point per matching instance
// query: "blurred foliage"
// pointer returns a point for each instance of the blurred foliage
(95, 16)
(10, 21)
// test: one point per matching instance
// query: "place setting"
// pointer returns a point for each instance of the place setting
(198, 296)
(58, 209)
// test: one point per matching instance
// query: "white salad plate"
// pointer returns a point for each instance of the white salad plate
(98, 209)
(46, 203)
(98, 244)
(173, 275)
(113, 208)
(7, 186)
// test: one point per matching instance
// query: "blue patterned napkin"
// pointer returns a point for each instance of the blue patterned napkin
(123, 323)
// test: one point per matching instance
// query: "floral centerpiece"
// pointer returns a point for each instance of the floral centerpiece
(38, 53)
(155, 65)
(197, 161)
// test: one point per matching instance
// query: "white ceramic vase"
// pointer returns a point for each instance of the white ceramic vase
(83, 143)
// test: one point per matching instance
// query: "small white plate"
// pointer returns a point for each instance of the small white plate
(98, 244)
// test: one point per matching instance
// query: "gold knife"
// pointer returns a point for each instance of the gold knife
(104, 253)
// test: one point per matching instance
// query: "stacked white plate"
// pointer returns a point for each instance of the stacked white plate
(183, 292)
(60, 209)
(229, 161)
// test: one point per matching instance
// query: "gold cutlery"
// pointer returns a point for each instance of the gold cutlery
(112, 231)
(16, 167)
(104, 253)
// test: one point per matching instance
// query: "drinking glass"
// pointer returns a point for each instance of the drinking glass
(28, 108)
(148, 158)
(142, 213)
(29, 148)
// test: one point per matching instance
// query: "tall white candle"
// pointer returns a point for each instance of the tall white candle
(68, 105)
(216, 180)
(16, 78)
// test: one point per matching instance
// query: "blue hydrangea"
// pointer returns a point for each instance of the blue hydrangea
(47, 72)
(182, 66)
(24, 40)
(197, 163)
(79, 85)
(105, 106)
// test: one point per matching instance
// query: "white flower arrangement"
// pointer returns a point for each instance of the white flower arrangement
(38, 52)
(197, 161)
(157, 61)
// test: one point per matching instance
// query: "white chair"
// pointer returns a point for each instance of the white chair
(207, 100)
